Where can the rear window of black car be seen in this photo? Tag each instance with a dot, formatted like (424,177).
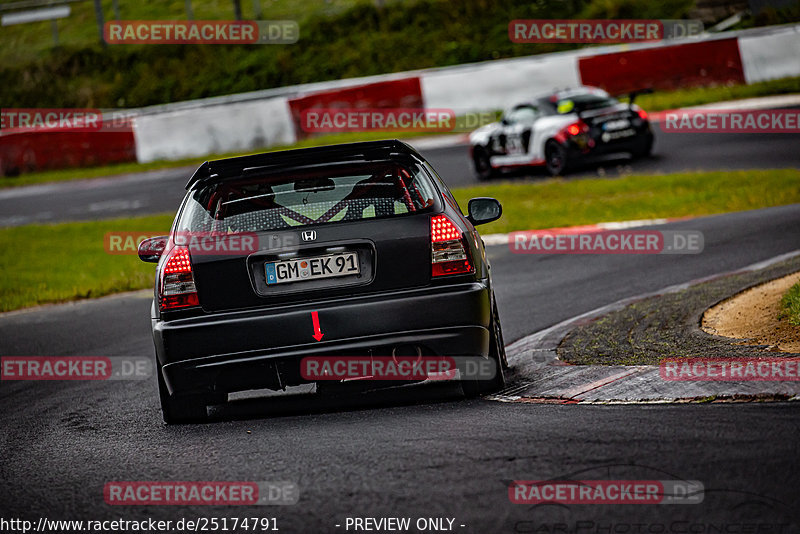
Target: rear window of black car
(308,196)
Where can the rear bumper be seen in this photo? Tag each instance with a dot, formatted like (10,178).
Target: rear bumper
(252,349)
(626,144)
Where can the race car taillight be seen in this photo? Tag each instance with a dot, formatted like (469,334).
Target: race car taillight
(176,287)
(577,127)
(642,114)
(449,251)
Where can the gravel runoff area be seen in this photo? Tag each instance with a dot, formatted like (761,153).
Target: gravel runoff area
(754,316)
(668,326)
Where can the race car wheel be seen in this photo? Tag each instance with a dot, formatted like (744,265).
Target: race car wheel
(555,157)
(185,408)
(644,148)
(483,167)
(473,387)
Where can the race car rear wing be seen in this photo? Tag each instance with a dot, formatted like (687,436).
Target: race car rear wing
(232,168)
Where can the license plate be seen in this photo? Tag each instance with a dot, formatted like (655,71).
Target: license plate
(619,124)
(302,269)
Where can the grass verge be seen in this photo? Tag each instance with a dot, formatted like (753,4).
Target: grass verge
(60,262)
(790,305)
(558,202)
(697,96)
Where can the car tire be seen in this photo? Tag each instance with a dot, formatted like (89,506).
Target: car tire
(555,158)
(472,387)
(177,409)
(482,164)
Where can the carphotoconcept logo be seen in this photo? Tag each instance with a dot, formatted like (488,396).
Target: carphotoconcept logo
(75,368)
(600,31)
(730,369)
(201,32)
(582,241)
(593,501)
(185,493)
(731,121)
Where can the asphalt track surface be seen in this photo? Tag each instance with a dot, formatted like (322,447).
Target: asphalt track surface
(424,451)
(161,191)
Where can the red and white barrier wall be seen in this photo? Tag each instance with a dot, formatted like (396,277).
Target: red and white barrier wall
(769,57)
(39,150)
(240,126)
(270,118)
(402,93)
(217,129)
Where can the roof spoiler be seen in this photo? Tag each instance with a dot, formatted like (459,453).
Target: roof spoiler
(230,168)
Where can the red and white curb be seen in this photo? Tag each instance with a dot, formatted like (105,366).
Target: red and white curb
(540,377)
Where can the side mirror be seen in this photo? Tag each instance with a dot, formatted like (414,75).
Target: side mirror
(504,121)
(150,249)
(483,210)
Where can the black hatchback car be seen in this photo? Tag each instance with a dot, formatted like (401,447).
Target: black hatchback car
(355,250)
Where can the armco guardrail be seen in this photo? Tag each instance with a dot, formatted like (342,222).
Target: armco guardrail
(749,56)
(261,119)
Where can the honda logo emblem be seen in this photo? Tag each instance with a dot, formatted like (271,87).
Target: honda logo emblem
(309,235)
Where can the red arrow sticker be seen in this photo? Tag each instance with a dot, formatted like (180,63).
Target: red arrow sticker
(317,331)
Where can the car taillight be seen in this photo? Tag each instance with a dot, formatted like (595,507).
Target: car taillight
(577,127)
(448,248)
(176,288)
(642,114)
